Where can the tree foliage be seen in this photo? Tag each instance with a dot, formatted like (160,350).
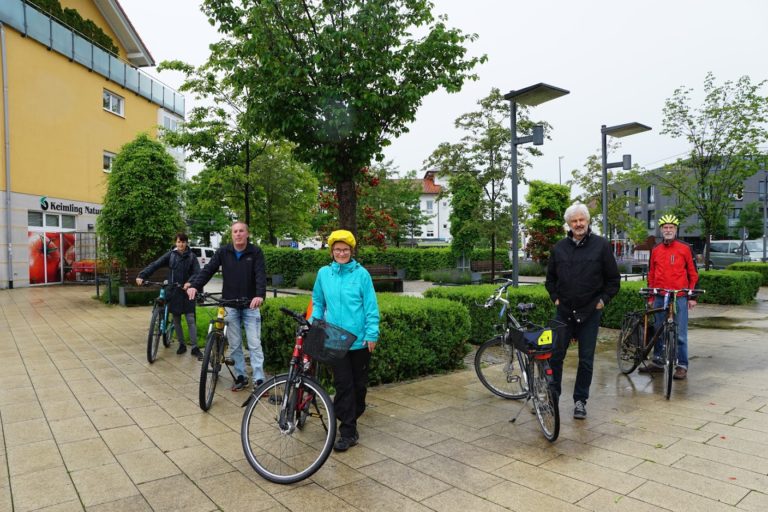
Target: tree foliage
(207,211)
(724,133)
(465,211)
(142,209)
(751,219)
(547,203)
(340,79)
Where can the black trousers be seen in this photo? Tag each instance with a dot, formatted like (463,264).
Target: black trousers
(350,378)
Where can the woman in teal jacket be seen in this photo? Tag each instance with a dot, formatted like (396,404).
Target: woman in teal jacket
(343,295)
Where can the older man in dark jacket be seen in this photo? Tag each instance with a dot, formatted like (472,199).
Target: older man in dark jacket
(582,277)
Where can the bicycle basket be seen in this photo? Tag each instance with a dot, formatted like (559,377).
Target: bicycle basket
(538,340)
(326,342)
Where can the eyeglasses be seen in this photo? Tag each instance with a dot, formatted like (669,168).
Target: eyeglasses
(342,251)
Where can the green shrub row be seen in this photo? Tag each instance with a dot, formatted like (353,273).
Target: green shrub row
(729,286)
(291,263)
(418,336)
(752,266)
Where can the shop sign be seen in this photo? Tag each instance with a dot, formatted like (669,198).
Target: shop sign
(58,206)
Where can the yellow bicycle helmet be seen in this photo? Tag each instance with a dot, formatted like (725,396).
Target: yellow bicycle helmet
(669,219)
(342,235)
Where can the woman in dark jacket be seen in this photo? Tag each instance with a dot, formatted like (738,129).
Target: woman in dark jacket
(183,265)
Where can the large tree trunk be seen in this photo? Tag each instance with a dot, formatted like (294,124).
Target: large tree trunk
(347,195)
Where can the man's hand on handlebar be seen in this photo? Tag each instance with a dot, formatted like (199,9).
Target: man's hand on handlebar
(139,281)
(191,293)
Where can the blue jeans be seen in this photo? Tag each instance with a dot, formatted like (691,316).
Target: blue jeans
(681,317)
(251,320)
(586,333)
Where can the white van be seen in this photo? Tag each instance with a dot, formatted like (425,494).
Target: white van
(203,254)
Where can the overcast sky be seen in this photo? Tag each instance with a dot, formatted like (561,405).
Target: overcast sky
(619,59)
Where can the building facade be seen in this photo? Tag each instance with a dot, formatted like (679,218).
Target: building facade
(437,230)
(67,108)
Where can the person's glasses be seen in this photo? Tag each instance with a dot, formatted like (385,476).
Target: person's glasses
(342,251)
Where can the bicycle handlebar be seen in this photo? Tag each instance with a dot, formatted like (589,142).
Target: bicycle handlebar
(296,316)
(522,307)
(158,283)
(201,298)
(661,292)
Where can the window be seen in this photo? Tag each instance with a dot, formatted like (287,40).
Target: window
(113,103)
(109,159)
(430,233)
(68,221)
(51,220)
(733,217)
(35,219)
(651,195)
(430,205)
(651,219)
(637,194)
(761,190)
(171,124)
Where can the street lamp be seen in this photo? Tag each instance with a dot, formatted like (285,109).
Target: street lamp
(560,170)
(618,131)
(529,96)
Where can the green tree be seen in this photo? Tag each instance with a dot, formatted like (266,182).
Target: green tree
(338,78)
(465,211)
(751,219)
(206,211)
(142,209)
(724,134)
(484,150)
(547,203)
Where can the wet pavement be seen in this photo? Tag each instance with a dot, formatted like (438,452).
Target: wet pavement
(87,424)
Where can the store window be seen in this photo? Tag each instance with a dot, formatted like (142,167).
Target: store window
(35,219)
(113,103)
(51,220)
(109,159)
(68,221)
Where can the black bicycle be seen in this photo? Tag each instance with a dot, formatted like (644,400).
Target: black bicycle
(214,354)
(160,323)
(289,424)
(638,337)
(515,364)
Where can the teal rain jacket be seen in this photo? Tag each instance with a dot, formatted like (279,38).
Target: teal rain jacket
(343,295)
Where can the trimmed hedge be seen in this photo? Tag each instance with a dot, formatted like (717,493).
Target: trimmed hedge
(729,286)
(418,336)
(291,263)
(752,266)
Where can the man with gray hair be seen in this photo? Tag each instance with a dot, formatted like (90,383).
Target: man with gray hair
(582,277)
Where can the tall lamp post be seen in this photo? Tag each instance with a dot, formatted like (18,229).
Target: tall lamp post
(618,131)
(529,96)
(560,170)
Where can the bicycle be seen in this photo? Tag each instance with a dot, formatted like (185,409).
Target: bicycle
(635,343)
(159,324)
(515,364)
(215,346)
(289,424)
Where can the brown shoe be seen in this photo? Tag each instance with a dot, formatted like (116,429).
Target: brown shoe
(650,367)
(680,373)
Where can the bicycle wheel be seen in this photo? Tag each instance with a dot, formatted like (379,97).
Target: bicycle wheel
(209,371)
(274,444)
(545,400)
(670,358)
(499,369)
(153,337)
(628,344)
(169,329)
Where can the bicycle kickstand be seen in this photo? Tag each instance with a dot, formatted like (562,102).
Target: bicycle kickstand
(514,419)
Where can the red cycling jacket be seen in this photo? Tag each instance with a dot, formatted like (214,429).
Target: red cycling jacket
(672,267)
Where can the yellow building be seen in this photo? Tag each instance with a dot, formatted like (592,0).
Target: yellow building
(67,108)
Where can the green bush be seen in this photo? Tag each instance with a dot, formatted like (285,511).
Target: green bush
(484,321)
(752,266)
(418,336)
(729,286)
(531,268)
(628,299)
(306,281)
(448,275)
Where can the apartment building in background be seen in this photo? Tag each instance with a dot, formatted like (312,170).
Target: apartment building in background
(67,107)
(437,230)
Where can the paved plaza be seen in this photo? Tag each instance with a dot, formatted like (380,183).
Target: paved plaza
(88,424)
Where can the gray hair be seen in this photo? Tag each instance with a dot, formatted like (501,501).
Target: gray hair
(574,209)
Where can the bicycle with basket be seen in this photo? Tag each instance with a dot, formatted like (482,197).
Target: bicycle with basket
(289,424)
(515,364)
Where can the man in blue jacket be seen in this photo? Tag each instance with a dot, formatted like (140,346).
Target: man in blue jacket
(245,276)
(343,295)
(582,277)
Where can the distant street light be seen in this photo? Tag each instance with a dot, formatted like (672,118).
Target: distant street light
(560,170)
(529,96)
(618,131)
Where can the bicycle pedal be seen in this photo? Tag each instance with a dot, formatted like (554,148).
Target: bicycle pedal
(229,361)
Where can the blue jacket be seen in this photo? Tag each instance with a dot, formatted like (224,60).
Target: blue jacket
(343,295)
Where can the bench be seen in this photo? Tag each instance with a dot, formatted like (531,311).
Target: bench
(386,274)
(127,281)
(484,266)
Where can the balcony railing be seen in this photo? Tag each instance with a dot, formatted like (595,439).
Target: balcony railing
(62,39)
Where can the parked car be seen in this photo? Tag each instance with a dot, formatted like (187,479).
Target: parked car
(203,254)
(724,252)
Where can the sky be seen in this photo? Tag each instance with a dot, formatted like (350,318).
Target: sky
(619,59)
